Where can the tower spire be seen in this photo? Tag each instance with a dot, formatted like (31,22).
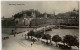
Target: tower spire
(54,13)
(33,14)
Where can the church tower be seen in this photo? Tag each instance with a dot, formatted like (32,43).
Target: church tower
(33,14)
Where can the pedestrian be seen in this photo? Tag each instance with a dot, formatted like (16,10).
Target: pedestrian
(51,44)
(31,44)
(33,40)
(14,34)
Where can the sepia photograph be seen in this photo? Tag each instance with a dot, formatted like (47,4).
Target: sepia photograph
(40,25)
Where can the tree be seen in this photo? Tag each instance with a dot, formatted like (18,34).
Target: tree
(77,44)
(56,39)
(28,34)
(31,33)
(18,15)
(47,37)
(38,35)
(70,40)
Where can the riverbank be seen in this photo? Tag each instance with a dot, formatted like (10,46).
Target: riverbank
(70,27)
(61,26)
(66,27)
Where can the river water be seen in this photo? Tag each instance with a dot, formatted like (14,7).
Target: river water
(63,32)
(60,32)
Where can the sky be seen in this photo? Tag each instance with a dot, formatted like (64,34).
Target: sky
(9,8)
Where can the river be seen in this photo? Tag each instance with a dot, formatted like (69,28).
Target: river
(63,32)
(60,32)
